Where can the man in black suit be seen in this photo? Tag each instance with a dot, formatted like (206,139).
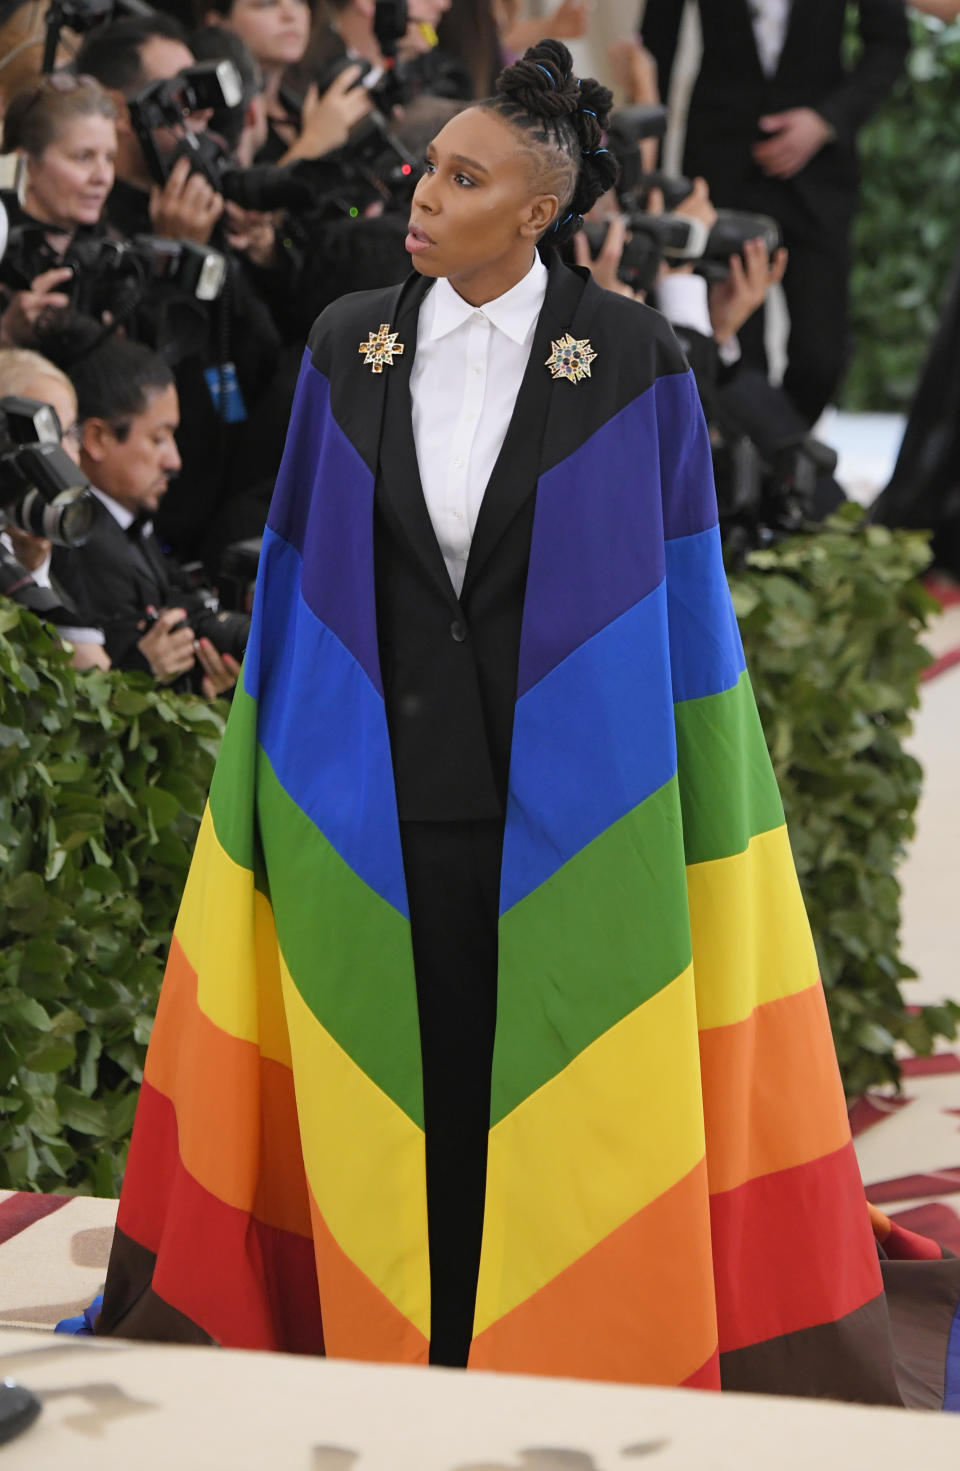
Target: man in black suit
(772,127)
(129,414)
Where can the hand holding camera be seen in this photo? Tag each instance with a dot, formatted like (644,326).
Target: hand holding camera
(168,644)
(220,671)
(745,290)
(186,207)
(26,307)
(327,120)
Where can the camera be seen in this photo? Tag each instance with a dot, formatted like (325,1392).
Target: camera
(211,85)
(169,102)
(670,236)
(629,127)
(105,271)
(157,288)
(238,574)
(81,16)
(764,495)
(373,165)
(41,490)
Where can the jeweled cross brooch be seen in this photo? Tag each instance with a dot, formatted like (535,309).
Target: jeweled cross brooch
(571,358)
(381,347)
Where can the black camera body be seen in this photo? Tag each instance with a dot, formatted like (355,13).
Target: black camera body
(157,288)
(169,103)
(41,490)
(81,16)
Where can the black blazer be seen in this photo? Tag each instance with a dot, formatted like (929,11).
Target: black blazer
(115,576)
(732,91)
(449,666)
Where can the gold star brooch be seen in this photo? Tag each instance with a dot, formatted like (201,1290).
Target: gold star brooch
(381,347)
(571,359)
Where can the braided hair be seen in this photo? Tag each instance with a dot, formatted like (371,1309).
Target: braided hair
(561,121)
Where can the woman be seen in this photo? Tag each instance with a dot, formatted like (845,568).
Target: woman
(513,1053)
(277,32)
(64,131)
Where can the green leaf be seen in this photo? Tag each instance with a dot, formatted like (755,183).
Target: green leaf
(51,1056)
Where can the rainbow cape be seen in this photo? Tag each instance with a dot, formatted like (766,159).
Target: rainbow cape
(672,1193)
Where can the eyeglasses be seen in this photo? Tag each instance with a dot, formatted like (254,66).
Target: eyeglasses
(62,81)
(74,433)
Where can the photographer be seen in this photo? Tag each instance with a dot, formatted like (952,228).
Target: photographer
(276,35)
(63,129)
(129,415)
(220,381)
(708,316)
(25,572)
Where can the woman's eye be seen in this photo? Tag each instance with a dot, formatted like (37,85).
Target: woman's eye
(429,167)
(464,179)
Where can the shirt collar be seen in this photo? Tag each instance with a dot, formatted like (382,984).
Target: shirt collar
(514,313)
(120,514)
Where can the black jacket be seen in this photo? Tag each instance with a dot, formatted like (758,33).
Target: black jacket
(732,91)
(116,576)
(450,664)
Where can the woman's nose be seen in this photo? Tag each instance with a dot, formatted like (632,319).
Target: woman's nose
(423,194)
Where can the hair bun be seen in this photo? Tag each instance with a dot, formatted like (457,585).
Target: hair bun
(542,82)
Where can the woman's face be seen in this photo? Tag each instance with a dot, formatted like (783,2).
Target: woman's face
(476,211)
(276,31)
(62,398)
(67,185)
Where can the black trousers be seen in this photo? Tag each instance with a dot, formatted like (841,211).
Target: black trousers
(453,884)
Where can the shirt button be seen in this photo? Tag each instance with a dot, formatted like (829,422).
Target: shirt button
(458,464)
(477,368)
(458,631)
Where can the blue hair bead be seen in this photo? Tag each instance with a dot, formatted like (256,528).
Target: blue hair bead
(547,74)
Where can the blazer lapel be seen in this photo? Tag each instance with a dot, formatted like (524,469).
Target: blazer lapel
(746,46)
(398,470)
(789,40)
(568,306)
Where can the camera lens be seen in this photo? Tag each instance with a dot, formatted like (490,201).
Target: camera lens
(66,520)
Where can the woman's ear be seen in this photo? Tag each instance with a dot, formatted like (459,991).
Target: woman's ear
(541,214)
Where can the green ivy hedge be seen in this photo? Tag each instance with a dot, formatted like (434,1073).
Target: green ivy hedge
(102,783)
(103,779)
(908,230)
(831,624)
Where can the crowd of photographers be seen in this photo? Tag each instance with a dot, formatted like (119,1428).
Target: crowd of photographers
(187,201)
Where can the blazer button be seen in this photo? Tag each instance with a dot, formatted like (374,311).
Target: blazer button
(458,631)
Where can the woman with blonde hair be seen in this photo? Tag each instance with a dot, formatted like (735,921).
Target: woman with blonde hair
(63,128)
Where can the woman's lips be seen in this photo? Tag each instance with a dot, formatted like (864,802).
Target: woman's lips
(417,240)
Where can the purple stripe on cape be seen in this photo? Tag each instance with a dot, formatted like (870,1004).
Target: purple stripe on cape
(323,506)
(686,460)
(601,517)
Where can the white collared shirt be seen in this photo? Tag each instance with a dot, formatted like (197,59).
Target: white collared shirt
(466,375)
(120,514)
(770,19)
